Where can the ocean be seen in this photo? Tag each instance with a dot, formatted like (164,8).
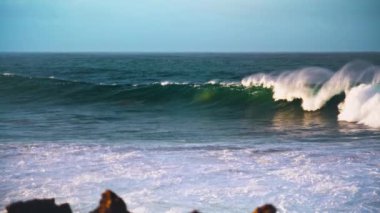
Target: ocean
(172,132)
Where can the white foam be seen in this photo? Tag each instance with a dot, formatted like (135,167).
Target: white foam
(179,180)
(8,74)
(164,83)
(213,82)
(362,105)
(223,83)
(315,86)
(176,210)
(140,210)
(230,83)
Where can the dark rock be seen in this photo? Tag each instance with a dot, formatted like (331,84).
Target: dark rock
(267,208)
(111,203)
(38,206)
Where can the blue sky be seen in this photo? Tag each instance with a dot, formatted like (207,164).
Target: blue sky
(190,25)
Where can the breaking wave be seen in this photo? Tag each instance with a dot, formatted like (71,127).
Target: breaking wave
(356,85)
(315,86)
(362,105)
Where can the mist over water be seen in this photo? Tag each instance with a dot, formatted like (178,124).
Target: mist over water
(316,86)
(173,132)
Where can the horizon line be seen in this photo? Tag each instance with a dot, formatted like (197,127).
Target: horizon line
(191,52)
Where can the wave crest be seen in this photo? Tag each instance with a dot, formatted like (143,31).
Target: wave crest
(362,105)
(316,86)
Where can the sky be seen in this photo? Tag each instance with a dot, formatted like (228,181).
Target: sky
(189,25)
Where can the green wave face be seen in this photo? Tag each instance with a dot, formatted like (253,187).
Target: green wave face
(37,91)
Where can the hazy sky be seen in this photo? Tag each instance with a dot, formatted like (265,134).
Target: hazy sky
(190,25)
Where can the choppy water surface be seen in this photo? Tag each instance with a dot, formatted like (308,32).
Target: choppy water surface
(173,132)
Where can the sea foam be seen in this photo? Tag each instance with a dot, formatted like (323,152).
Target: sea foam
(150,177)
(362,105)
(315,86)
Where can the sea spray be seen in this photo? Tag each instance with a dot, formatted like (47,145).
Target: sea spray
(290,85)
(316,86)
(105,121)
(362,105)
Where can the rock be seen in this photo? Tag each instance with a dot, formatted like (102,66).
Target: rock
(38,206)
(267,208)
(111,203)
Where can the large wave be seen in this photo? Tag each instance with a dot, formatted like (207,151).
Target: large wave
(315,86)
(362,105)
(312,88)
(28,90)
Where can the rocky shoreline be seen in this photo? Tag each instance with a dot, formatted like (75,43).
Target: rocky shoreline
(109,203)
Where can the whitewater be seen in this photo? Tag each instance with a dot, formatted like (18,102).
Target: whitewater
(359,81)
(176,132)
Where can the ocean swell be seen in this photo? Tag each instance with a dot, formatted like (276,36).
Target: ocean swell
(308,89)
(32,90)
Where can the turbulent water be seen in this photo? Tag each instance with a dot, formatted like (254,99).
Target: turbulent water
(173,132)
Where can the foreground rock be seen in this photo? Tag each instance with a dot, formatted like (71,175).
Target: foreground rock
(111,203)
(267,208)
(38,206)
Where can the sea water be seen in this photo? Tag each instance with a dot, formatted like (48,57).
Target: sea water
(176,132)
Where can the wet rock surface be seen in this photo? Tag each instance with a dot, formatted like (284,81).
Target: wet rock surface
(110,202)
(38,206)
